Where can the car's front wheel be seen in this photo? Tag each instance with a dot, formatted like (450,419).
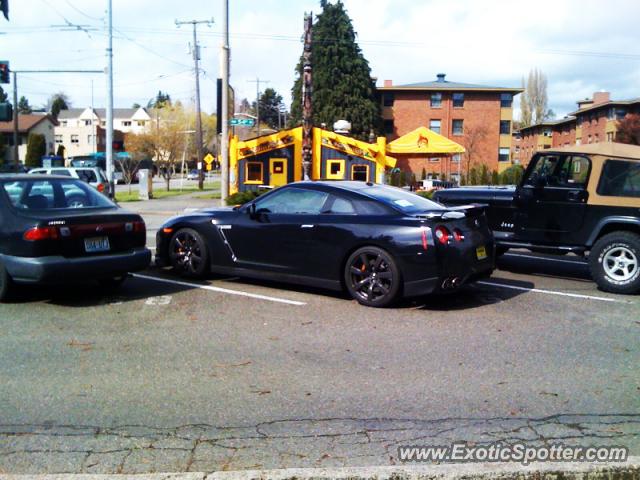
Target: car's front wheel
(372,277)
(188,254)
(615,262)
(5,283)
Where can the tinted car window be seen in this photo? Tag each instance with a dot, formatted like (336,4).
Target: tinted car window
(620,178)
(545,167)
(53,194)
(573,172)
(61,171)
(340,206)
(402,200)
(293,200)
(87,175)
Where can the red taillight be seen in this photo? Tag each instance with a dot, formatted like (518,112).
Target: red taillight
(41,233)
(101,187)
(425,245)
(458,235)
(139,227)
(442,234)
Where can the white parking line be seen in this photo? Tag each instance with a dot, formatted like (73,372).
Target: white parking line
(544,258)
(551,292)
(220,290)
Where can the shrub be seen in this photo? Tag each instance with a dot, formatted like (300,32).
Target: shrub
(512,175)
(240,198)
(36,149)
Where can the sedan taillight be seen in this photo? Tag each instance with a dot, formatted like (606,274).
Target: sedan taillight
(442,234)
(41,233)
(101,187)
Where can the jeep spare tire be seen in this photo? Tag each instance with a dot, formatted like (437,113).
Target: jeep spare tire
(615,262)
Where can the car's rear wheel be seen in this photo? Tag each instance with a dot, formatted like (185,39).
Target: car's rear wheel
(372,277)
(188,254)
(6,283)
(615,262)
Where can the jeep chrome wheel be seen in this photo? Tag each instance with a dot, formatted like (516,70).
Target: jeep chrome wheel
(614,262)
(620,263)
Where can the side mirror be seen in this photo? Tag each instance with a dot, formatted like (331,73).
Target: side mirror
(252,211)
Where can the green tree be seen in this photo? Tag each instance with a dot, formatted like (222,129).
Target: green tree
(484,175)
(270,101)
(58,101)
(342,85)
(423,175)
(161,100)
(36,148)
(23,106)
(512,175)
(3,95)
(135,105)
(495,178)
(60,151)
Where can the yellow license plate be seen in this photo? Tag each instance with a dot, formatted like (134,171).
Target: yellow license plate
(481,252)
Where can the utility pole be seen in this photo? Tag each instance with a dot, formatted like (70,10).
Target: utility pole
(16,157)
(257,81)
(109,72)
(307,107)
(224,72)
(196,59)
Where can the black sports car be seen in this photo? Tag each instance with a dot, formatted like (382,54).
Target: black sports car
(55,228)
(378,242)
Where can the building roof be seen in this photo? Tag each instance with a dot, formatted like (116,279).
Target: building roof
(440,84)
(100,112)
(609,149)
(25,123)
(549,123)
(612,103)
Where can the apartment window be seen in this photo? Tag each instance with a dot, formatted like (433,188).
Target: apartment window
(455,158)
(505,127)
(141,123)
(620,113)
(503,155)
(387,99)
(434,126)
(87,123)
(458,100)
(609,136)
(63,123)
(388,127)
(458,127)
(58,138)
(436,100)
(103,123)
(546,132)
(75,139)
(126,123)
(506,100)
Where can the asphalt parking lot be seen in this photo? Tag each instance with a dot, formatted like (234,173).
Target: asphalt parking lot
(172,375)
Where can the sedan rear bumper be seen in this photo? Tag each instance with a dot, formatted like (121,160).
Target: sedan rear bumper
(53,269)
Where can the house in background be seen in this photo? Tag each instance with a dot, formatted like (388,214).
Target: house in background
(595,121)
(82,130)
(477,117)
(31,123)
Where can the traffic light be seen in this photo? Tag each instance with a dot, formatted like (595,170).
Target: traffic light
(4,6)
(6,112)
(4,71)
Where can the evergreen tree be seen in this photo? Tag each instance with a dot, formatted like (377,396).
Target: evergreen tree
(162,100)
(423,176)
(3,95)
(270,101)
(60,151)
(342,85)
(57,102)
(36,148)
(23,106)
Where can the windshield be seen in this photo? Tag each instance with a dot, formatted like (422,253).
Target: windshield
(54,194)
(403,200)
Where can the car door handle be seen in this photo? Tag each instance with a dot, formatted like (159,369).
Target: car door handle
(307,226)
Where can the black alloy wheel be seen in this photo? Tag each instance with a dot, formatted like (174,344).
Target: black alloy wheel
(188,253)
(372,277)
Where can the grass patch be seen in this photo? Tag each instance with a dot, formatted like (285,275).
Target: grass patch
(212,187)
(209,196)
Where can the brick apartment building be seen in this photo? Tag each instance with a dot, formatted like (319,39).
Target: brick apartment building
(595,121)
(476,116)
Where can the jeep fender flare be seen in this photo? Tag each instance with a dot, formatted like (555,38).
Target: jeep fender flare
(625,220)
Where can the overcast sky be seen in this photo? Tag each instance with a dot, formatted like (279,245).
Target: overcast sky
(582,45)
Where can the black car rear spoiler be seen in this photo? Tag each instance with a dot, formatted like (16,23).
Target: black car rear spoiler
(454,213)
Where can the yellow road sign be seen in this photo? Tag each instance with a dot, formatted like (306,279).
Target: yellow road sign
(208,159)
(208,167)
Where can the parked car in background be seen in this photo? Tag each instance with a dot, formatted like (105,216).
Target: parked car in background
(56,229)
(378,242)
(94,176)
(193,175)
(583,199)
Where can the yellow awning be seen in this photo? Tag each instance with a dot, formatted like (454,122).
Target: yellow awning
(423,140)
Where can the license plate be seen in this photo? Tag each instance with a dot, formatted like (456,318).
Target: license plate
(481,252)
(96,244)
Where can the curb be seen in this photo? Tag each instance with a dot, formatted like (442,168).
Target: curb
(459,471)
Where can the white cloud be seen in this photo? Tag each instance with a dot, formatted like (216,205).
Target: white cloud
(494,42)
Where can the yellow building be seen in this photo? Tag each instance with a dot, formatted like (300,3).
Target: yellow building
(276,159)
